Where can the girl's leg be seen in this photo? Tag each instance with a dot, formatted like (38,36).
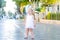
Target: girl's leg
(26,33)
(32,34)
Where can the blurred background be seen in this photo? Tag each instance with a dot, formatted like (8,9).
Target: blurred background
(44,9)
(47,14)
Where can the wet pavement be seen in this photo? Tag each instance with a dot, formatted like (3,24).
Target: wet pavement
(11,29)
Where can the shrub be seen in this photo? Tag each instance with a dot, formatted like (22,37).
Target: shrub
(53,16)
(48,16)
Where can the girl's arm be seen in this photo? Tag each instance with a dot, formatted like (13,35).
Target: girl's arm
(34,18)
(34,21)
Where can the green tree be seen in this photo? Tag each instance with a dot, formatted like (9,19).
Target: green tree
(48,2)
(18,2)
(2,3)
(21,3)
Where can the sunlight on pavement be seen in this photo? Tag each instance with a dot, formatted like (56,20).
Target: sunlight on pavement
(9,29)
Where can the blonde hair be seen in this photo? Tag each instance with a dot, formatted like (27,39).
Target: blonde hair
(32,12)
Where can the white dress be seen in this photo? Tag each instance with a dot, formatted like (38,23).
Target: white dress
(29,21)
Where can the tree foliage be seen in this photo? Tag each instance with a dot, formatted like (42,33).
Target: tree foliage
(2,3)
(25,2)
(19,2)
(48,2)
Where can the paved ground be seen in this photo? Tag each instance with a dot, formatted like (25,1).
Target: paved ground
(50,21)
(11,29)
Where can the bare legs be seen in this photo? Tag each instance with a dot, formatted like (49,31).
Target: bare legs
(27,30)
(32,34)
(26,33)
